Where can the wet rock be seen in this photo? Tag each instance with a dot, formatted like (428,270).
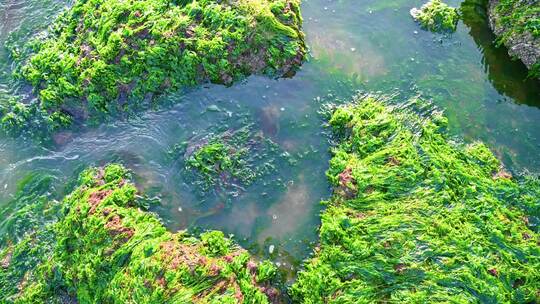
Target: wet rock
(436,16)
(79,73)
(229,161)
(62,138)
(407,232)
(509,23)
(111,243)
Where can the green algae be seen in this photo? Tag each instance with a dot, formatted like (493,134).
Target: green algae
(101,58)
(535,70)
(18,118)
(519,17)
(417,217)
(25,231)
(231,160)
(517,25)
(29,209)
(105,250)
(436,16)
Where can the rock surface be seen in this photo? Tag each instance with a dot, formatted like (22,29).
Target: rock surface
(507,19)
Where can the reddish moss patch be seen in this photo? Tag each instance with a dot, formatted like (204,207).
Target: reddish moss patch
(115,227)
(95,199)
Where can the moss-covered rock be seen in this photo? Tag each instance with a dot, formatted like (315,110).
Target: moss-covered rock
(436,16)
(103,57)
(419,218)
(229,161)
(517,24)
(104,249)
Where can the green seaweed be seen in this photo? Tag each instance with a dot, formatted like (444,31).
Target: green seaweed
(25,230)
(436,16)
(417,217)
(102,58)
(18,118)
(230,160)
(106,250)
(513,19)
(518,17)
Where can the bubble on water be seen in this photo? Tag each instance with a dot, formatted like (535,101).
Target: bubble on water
(353,49)
(274,217)
(180,209)
(271,249)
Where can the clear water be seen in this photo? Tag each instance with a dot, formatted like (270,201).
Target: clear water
(372,45)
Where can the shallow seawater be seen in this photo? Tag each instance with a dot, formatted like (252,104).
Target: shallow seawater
(368,45)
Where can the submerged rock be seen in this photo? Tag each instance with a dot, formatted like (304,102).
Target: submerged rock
(105,57)
(103,249)
(426,219)
(517,24)
(436,16)
(230,160)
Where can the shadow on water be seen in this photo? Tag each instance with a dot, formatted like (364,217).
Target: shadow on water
(509,77)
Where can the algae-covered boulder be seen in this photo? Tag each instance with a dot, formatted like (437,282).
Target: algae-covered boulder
(517,24)
(229,161)
(101,57)
(419,218)
(436,16)
(104,249)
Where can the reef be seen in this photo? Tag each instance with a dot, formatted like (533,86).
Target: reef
(418,217)
(103,248)
(436,16)
(517,25)
(101,58)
